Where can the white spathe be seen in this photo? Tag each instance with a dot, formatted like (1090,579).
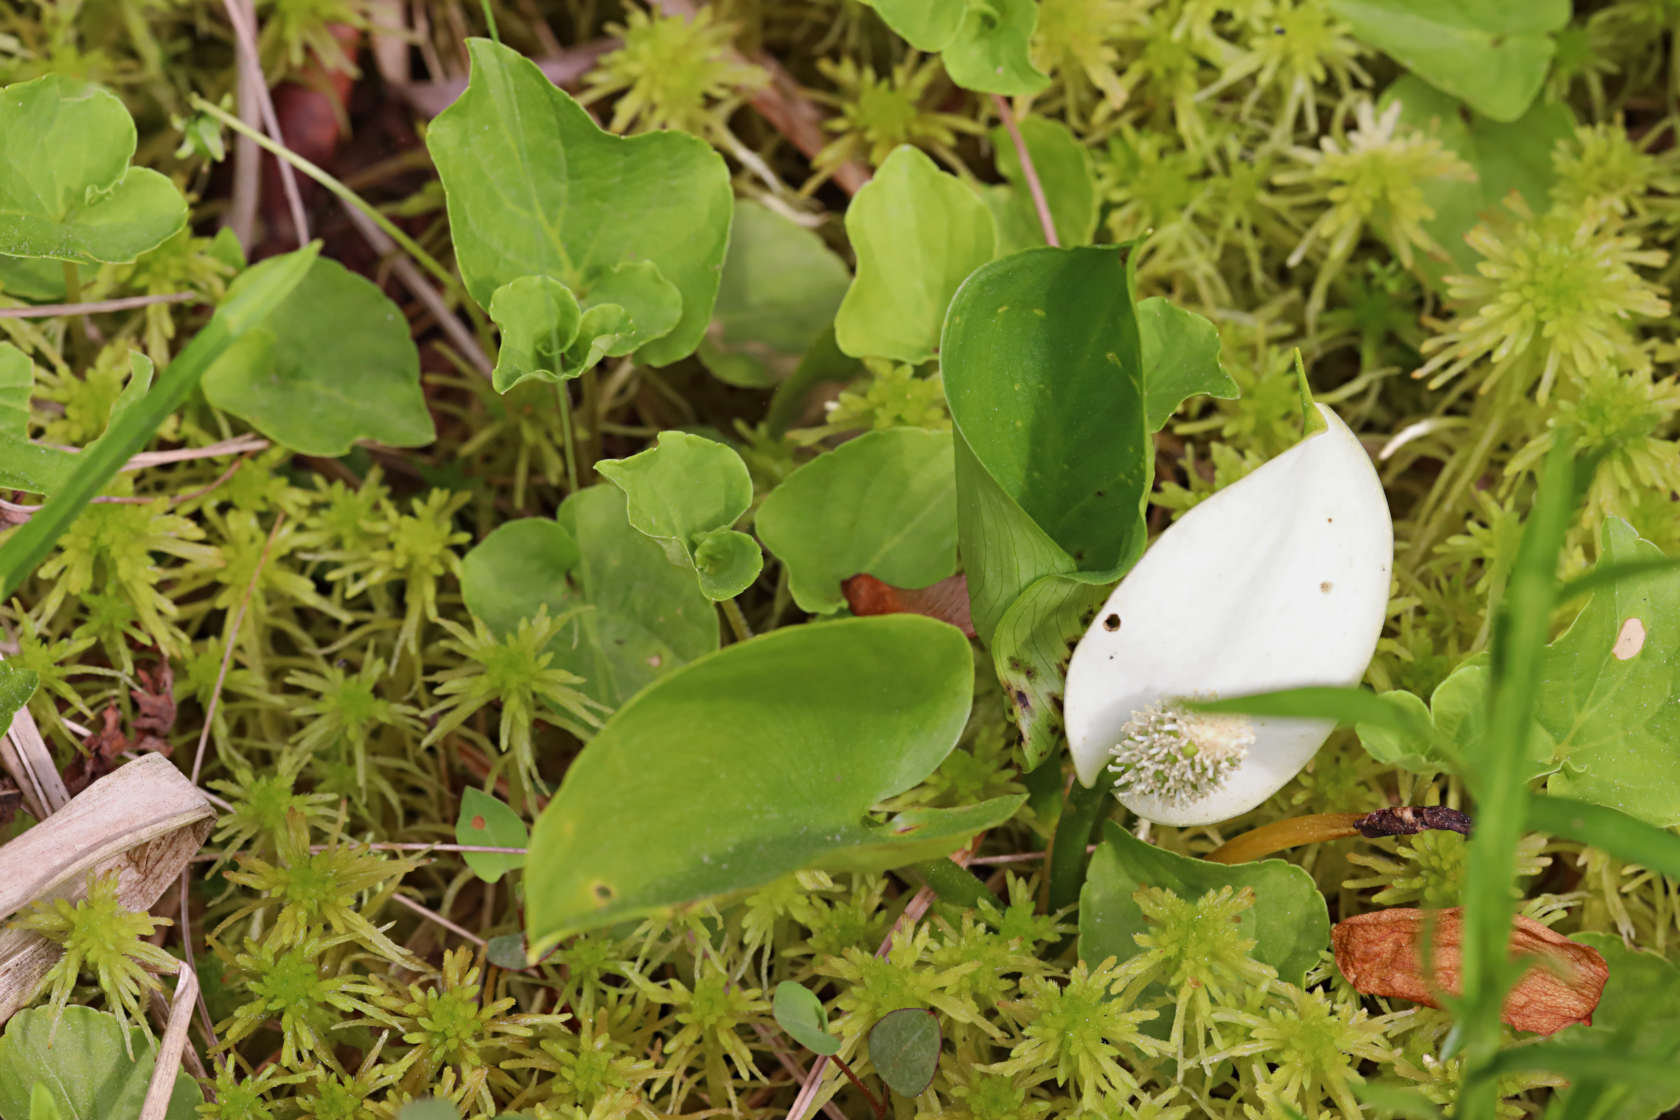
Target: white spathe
(1280,580)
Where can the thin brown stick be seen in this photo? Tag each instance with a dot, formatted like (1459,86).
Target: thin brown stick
(415,281)
(433,915)
(1028,171)
(239,445)
(791,1064)
(119,500)
(245,33)
(171,1047)
(95,307)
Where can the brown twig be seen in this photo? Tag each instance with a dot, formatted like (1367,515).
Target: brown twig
(94,307)
(434,916)
(245,34)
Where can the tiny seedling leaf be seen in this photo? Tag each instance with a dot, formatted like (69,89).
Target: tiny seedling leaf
(429,1109)
(800,1013)
(507,951)
(1065,175)
(781,287)
(904,1049)
(634,616)
(487,822)
(685,492)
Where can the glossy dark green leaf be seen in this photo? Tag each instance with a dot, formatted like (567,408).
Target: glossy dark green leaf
(1491,54)
(685,492)
(85,1065)
(1289,921)
(487,822)
(884,503)
(640,616)
(1043,371)
(535,188)
(904,1049)
(800,1013)
(66,189)
(333,363)
(917,232)
(761,759)
(781,287)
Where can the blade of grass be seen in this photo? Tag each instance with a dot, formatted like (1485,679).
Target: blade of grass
(266,285)
(1622,836)
(1495,775)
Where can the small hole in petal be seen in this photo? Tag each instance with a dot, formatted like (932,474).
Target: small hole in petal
(1111,623)
(1629,640)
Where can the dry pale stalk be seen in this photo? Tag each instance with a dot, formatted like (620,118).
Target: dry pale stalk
(144,821)
(1381,954)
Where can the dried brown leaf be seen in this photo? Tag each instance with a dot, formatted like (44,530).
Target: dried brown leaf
(946,600)
(1381,954)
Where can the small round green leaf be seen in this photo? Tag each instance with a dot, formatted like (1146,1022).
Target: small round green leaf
(507,951)
(904,1049)
(488,822)
(727,563)
(800,1013)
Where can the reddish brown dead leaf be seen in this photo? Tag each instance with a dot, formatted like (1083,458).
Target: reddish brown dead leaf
(154,700)
(946,600)
(1381,954)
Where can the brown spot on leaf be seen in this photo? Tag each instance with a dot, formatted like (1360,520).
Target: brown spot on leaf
(477,822)
(1381,954)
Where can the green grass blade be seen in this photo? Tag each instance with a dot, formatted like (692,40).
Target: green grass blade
(1622,836)
(1495,775)
(266,285)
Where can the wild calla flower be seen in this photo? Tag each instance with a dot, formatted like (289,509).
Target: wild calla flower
(1280,580)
